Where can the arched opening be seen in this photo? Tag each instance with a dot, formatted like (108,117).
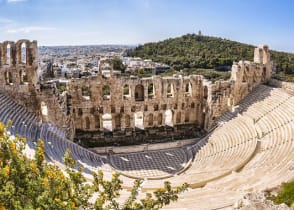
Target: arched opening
(139,93)
(106,92)
(97,122)
(178,118)
(244,79)
(23,55)
(8,55)
(205,93)
(169,118)
(151,91)
(170,91)
(80,111)
(263,76)
(23,76)
(159,119)
(87,123)
(187,117)
(107,122)
(6,77)
(10,78)
(139,120)
(44,111)
(117,122)
(192,105)
(188,89)
(126,91)
(85,91)
(127,121)
(150,119)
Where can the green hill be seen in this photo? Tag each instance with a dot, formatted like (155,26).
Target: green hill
(193,51)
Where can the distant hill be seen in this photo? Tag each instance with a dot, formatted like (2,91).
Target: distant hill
(193,51)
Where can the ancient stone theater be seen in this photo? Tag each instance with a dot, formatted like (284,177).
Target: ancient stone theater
(225,138)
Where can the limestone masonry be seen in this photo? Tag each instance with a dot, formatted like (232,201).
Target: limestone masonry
(99,110)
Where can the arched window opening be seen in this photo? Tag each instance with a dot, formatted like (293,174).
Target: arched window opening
(85,91)
(187,117)
(117,121)
(87,123)
(169,118)
(97,122)
(6,77)
(107,122)
(188,89)
(8,55)
(126,92)
(263,76)
(139,93)
(170,91)
(80,112)
(151,91)
(106,92)
(159,119)
(127,121)
(23,53)
(44,109)
(10,78)
(205,93)
(244,78)
(150,119)
(139,120)
(192,105)
(178,118)
(23,77)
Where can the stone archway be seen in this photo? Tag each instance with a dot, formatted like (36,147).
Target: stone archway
(169,118)
(139,93)
(107,122)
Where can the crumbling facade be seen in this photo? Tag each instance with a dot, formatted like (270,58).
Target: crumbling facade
(107,109)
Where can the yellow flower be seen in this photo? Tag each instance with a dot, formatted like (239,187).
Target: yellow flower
(38,208)
(46,182)
(6,171)
(33,166)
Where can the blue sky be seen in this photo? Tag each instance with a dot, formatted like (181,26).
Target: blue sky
(77,22)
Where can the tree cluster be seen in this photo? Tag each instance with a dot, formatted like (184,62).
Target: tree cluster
(205,52)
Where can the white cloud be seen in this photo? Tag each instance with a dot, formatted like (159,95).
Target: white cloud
(27,30)
(5,21)
(15,1)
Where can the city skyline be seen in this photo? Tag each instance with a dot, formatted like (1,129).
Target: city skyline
(132,22)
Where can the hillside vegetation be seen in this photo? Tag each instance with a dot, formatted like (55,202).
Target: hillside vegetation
(193,51)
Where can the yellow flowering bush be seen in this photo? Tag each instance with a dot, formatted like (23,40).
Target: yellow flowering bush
(33,184)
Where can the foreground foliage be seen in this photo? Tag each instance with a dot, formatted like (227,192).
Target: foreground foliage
(286,194)
(34,184)
(198,51)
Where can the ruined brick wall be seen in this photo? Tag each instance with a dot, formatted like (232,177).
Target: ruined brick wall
(112,108)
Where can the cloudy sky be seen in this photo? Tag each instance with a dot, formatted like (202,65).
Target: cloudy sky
(78,22)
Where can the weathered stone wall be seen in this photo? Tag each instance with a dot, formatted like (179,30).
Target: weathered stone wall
(106,109)
(18,70)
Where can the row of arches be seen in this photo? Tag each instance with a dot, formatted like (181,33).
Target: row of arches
(20,78)
(139,92)
(111,122)
(16,53)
